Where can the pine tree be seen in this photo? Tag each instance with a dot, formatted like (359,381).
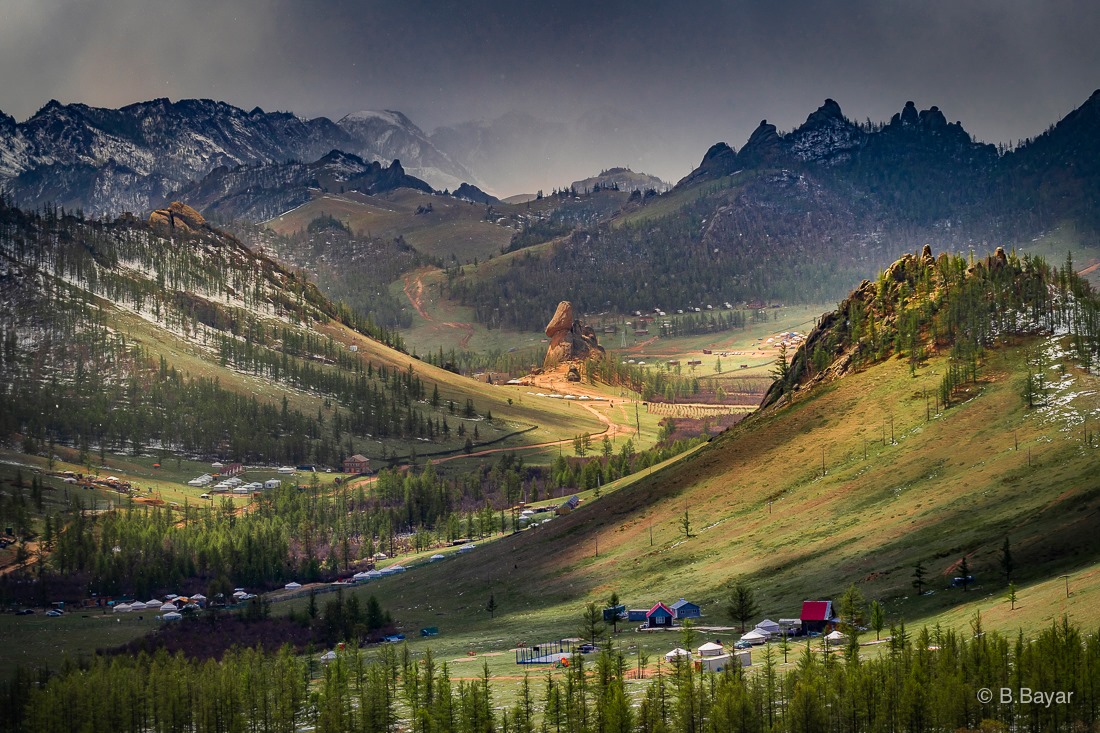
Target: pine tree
(742,604)
(918,577)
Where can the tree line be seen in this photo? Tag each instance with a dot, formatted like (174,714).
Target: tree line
(72,376)
(934,679)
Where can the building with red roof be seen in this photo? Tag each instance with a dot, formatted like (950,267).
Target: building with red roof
(817,616)
(660,616)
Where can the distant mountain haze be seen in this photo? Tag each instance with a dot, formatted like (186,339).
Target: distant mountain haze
(800,216)
(132,159)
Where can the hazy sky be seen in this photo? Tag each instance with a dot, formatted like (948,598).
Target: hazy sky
(677,75)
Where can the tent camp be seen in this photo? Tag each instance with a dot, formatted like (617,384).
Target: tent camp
(169,607)
(292,585)
(711,649)
(328,656)
(173,616)
(836,638)
(139,606)
(754,637)
(769,627)
(677,653)
(122,608)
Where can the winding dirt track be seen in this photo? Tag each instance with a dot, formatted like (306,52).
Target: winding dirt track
(414,291)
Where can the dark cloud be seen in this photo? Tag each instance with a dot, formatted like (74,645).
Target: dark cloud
(677,77)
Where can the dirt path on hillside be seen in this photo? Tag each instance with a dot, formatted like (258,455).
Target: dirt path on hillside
(32,554)
(414,291)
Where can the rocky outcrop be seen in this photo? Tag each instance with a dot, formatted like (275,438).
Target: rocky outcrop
(470,192)
(570,340)
(764,147)
(720,160)
(177,218)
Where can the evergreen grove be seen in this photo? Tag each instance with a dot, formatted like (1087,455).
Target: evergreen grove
(930,680)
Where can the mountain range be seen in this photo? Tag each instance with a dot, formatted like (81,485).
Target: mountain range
(106,161)
(799,216)
(262,191)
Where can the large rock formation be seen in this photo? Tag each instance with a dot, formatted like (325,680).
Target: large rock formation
(570,340)
(177,218)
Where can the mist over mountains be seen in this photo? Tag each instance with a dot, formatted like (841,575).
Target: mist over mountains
(520,153)
(106,161)
(801,216)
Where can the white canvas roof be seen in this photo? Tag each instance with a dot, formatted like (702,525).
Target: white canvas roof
(710,646)
(754,637)
(292,585)
(678,652)
(836,636)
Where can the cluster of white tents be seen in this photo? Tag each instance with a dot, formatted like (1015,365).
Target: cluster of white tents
(766,629)
(170,607)
(713,657)
(365,576)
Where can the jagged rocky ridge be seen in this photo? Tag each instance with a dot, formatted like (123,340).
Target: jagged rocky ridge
(259,192)
(106,161)
(921,169)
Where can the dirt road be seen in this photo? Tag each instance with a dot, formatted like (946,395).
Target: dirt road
(414,291)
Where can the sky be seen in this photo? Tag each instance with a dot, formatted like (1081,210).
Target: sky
(646,84)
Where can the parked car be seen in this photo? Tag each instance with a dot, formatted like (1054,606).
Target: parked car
(742,645)
(587,648)
(24,612)
(54,613)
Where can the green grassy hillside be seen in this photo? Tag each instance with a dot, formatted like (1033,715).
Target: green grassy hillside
(926,439)
(952,484)
(129,337)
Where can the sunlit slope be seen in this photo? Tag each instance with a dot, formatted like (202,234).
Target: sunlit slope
(450,227)
(137,337)
(951,484)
